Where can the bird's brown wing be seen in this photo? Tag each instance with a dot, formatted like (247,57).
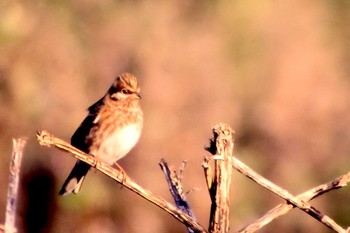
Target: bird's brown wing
(83,136)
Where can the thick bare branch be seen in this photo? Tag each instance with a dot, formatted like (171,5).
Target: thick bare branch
(221,146)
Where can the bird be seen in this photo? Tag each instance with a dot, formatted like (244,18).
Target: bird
(110,130)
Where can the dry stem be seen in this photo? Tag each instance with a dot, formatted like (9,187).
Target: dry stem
(296,201)
(15,167)
(176,190)
(219,182)
(306,196)
(47,139)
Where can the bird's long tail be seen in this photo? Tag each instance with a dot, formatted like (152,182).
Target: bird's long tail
(75,179)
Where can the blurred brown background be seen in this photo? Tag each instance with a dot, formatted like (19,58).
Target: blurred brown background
(276,71)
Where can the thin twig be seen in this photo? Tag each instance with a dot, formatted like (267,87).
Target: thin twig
(282,209)
(301,204)
(12,193)
(47,139)
(175,187)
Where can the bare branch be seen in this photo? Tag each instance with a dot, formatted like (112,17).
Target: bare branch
(175,187)
(12,193)
(301,204)
(282,209)
(47,139)
(221,146)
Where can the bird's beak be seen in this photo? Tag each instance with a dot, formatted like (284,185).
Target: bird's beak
(138,95)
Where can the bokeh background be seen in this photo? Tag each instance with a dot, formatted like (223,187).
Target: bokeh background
(276,71)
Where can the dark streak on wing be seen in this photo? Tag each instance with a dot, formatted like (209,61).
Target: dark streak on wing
(80,138)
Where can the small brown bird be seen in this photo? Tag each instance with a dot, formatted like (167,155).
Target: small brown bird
(110,130)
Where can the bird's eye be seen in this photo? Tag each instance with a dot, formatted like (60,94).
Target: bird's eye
(125,91)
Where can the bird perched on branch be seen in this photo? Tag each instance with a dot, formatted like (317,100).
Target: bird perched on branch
(110,130)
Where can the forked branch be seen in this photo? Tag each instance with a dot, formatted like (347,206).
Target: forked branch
(176,190)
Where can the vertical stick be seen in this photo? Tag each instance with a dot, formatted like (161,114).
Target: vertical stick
(221,146)
(15,165)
